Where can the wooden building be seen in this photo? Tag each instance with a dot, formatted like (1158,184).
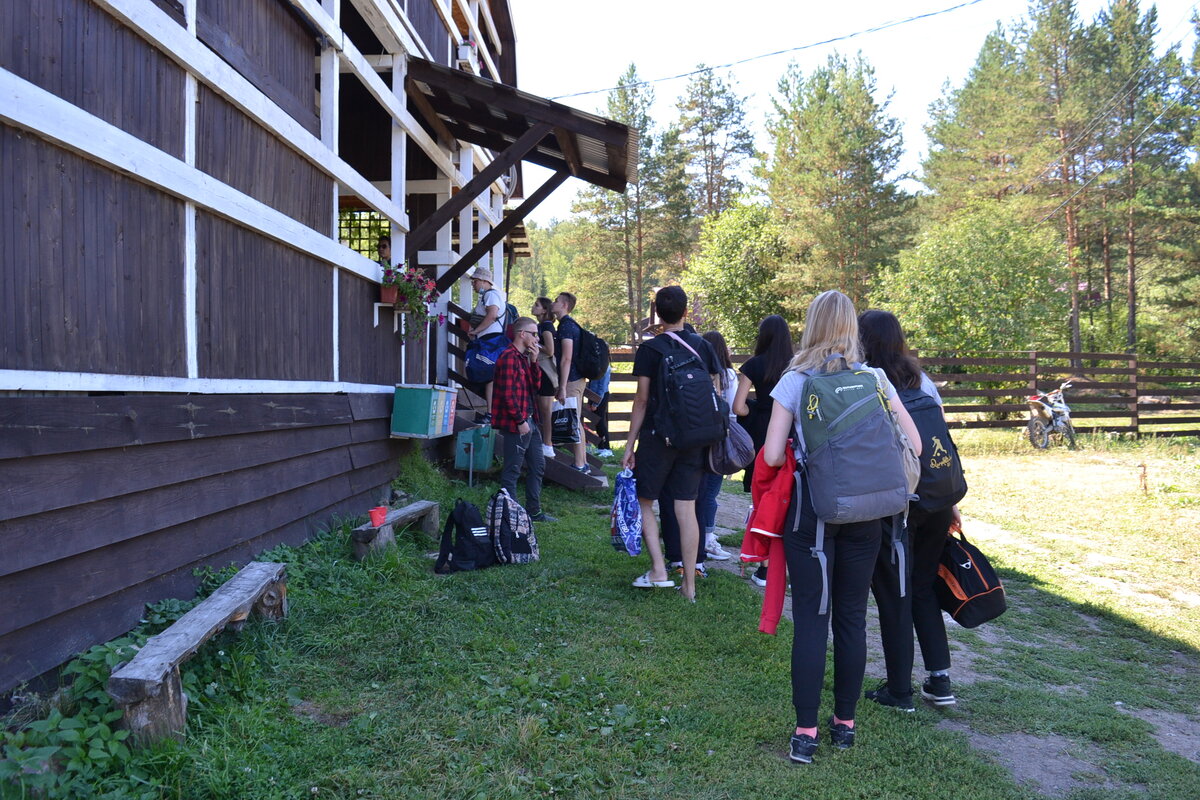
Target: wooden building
(193,366)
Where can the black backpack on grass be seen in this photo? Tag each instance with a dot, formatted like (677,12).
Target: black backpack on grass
(466,542)
(942,483)
(592,360)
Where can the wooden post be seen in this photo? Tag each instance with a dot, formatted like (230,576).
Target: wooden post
(160,715)
(1133,382)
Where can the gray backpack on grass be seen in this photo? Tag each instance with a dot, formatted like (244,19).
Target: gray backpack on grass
(850,453)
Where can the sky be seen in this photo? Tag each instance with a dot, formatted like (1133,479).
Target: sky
(567,46)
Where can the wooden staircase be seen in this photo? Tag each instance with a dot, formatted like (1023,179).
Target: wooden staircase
(558,469)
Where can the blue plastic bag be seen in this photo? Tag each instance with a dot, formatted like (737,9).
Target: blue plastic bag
(626,515)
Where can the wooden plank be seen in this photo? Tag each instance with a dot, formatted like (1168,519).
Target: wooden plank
(977,362)
(49,483)
(967,377)
(1191,365)
(34,649)
(56,587)
(1146,407)
(1171,421)
(140,677)
(1168,379)
(45,425)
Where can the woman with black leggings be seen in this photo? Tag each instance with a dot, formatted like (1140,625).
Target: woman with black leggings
(830,344)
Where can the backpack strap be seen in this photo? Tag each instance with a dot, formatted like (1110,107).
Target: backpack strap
(900,548)
(680,339)
(818,552)
(447,540)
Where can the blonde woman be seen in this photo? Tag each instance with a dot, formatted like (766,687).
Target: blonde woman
(829,344)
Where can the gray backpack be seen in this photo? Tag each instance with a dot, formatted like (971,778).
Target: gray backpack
(851,454)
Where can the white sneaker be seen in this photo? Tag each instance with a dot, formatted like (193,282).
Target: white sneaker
(604,453)
(547,451)
(713,550)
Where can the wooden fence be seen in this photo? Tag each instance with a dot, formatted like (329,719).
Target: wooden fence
(1110,392)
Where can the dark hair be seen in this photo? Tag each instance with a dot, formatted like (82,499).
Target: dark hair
(774,343)
(722,350)
(570,298)
(545,303)
(671,303)
(884,346)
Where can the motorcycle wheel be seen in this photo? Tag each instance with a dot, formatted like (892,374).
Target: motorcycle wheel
(1069,435)
(1039,433)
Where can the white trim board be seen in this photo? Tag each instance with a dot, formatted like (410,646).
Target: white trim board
(37,381)
(153,25)
(28,106)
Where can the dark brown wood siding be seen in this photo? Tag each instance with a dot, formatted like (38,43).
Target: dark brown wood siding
(269,43)
(238,151)
(369,354)
(432,30)
(73,49)
(91,266)
(124,497)
(263,310)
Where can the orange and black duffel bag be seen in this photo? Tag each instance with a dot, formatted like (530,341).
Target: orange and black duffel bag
(967,587)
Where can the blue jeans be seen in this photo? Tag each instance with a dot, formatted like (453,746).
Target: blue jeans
(706,504)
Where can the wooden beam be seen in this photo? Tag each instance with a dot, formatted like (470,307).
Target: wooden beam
(447,211)
(566,143)
(498,233)
(429,115)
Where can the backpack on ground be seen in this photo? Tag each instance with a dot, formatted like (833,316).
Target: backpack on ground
(942,483)
(593,357)
(511,530)
(466,542)
(851,454)
(967,586)
(690,411)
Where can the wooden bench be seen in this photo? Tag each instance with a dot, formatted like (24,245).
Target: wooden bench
(368,538)
(148,688)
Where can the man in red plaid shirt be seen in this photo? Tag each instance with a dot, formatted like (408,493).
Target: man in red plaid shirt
(514,414)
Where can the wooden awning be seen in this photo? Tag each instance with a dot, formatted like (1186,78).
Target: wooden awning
(515,126)
(492,115)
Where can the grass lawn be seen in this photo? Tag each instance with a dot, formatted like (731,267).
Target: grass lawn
(559,679)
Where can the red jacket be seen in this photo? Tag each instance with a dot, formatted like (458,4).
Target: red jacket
(771,494)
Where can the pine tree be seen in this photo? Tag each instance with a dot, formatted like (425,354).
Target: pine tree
(830,180)
(713,129)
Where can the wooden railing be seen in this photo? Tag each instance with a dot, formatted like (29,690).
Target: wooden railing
(1111,392)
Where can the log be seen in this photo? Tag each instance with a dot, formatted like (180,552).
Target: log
(368,539)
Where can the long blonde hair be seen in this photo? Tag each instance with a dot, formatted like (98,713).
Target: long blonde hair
(830,326)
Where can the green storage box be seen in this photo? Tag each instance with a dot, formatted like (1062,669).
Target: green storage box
(475,448)
(423,411)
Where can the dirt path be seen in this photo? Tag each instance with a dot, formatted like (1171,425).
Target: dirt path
(1048,764)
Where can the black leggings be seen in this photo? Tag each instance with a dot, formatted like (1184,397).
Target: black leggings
(919,607)
(850,550)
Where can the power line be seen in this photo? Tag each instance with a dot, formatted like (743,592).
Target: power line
(881,27)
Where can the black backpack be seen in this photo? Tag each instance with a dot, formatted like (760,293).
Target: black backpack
(690,412)
(593,357)
(466,542)
(942,483)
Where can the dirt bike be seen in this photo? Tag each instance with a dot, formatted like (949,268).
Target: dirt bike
(1050,415)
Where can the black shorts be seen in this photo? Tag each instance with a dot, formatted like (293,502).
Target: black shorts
(546,387)
(657,466)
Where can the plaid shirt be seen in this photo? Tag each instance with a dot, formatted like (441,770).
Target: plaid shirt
(516,384)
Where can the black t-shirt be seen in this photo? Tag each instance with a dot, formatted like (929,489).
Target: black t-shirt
(567,329)
(650,354)
(755,368)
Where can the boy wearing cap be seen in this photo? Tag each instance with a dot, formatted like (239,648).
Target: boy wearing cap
(487,319)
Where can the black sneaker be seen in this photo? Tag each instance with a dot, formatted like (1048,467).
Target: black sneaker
(542,516)
(803,747)
(760,576)
(841,735)
(883,695)
(937,690)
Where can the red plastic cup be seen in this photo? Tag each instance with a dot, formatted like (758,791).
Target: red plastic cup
(378,515)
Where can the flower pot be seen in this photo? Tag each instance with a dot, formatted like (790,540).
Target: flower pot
(388,294)
(378,515)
